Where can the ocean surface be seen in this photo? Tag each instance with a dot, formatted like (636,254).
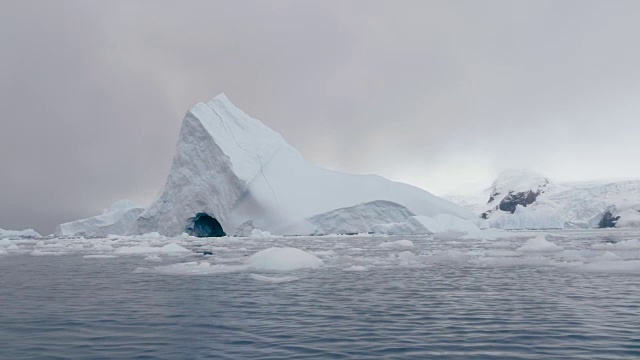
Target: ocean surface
(552,295)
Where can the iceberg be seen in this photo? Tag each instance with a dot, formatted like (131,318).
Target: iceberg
(361,218)
(19,234)
(231,171)
(117,220)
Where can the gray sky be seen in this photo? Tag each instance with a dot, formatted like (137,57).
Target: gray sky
(440,94)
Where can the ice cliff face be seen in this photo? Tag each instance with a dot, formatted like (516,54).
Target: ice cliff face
(116,220)
(361,218)
(235,169)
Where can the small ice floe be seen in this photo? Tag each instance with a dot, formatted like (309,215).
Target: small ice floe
(356,268)
(153,258)
(282,259)
(47,253)
(273,279)
(396,244)
(539,244)
(98,256)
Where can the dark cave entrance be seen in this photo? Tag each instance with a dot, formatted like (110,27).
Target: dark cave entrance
(204,225)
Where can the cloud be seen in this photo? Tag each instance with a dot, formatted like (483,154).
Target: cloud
(440,94)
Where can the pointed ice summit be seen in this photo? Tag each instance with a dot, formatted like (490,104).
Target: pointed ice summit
(231,170)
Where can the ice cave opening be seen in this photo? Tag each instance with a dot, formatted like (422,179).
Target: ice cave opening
(204,225)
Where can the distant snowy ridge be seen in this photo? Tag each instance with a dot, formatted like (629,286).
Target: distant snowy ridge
(523,199)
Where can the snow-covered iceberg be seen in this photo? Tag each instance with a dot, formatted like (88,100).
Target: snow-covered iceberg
(230,168)
(18,234)
(116,220)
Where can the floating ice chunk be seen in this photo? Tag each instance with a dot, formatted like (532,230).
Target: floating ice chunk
(153,258)
(46,253)
(539,244)
(282,259)
(356,268)
(622,245)
(396,244)
(607,256)
(259,234)
(102,247)
(272,279)
(100,256)
(173,249)
(324,253)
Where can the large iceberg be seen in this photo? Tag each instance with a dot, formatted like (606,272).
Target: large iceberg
(230,169)
(117,220)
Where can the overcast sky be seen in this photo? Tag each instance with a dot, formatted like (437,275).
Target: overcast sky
(441,94)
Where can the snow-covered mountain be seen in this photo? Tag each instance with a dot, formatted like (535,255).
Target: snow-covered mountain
(524,199)
(232,170)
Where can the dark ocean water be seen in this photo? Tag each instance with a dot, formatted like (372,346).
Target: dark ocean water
(70,307)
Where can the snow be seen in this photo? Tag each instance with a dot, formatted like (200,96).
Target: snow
(282,259)
(117,220)
(529,217)
(539,244)
(518,180)
(18,234)
(236,169)
(571,205)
